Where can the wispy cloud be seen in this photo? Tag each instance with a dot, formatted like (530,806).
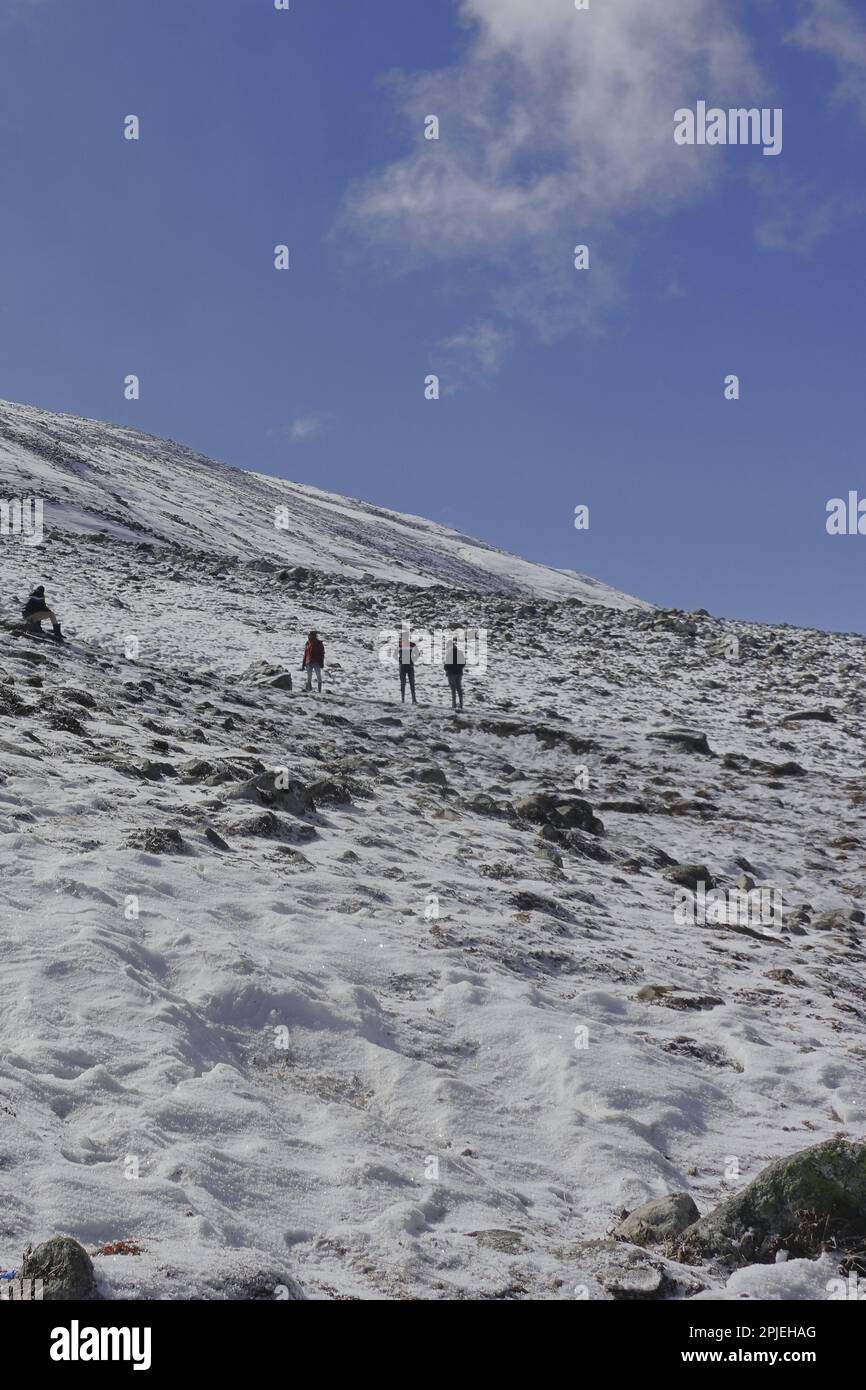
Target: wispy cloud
(476,354)
(302,429)
(795,215)
(556,128)
(837,30)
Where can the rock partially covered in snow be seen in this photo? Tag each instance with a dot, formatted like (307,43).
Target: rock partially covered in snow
(800,1204)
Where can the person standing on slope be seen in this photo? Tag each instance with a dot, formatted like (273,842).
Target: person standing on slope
(36,612)
(455,660)
(314,660)
(408,657)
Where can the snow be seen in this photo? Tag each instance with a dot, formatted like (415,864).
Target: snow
(312,1080)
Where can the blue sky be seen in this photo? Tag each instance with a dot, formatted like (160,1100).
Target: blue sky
(603,387)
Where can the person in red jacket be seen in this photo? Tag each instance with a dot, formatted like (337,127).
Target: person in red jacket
(314,660)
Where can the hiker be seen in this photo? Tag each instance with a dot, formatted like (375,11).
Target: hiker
(408,657)
(455,660)
(314,660)
(36,612)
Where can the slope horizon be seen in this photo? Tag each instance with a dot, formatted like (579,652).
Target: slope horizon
(593,592)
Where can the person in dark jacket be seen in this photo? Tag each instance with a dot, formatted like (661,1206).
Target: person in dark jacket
(314,660)
(36,612)
(455,660)
(408,657)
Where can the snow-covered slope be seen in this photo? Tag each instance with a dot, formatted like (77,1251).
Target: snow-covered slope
(301,988)
(97,478)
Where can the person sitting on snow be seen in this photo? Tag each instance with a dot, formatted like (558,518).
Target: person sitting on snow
(36,612)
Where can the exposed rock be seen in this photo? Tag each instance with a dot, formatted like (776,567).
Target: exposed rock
(563,813)
(270,827)
(65,1268)
(11,703)
(165,841)
(825,716)
(672,997)
(611,1269)
(274,790)
(692,743)
(812,1201)
(327,792)
(534,902)
(838,919)
(484,805)
(658,1221)
(690,876)
(433,776)
(216,840)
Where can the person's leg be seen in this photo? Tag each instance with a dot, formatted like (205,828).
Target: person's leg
(452,684)
(412,683)
(44,615)
(309,684)
(318,671)
(403,674)
(459,685)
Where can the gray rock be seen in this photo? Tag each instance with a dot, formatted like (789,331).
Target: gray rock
(673,998)
(612,1270)
(327,792)
(163,841)
(658,1221)
(690,875)
(484,805)
(811,1201)
(65,1268)
(692,743)
(560,812)
(433,776)
(825,716)
(838,919)
(268,826)
(267,789)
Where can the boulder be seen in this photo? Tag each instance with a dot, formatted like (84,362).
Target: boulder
(560,812)
(811,1201)
(690,875)
(65,1268)
(158,841)
(327,792)
(270,827)
(433,776)
(274,791)
(658,1221)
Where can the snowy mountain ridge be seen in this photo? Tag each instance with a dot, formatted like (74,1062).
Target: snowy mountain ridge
(114,480)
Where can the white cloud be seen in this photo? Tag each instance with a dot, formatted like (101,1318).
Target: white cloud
(835,29)
(302,429)
(556,129)
(476,352)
